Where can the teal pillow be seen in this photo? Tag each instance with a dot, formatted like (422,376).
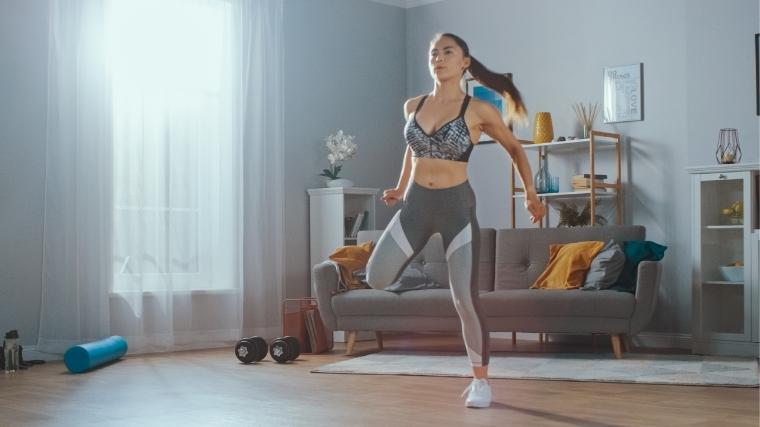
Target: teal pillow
(636,251)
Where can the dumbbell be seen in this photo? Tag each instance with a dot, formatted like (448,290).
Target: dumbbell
(251,349)
(285,349)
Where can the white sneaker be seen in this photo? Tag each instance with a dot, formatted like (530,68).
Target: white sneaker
(480,394)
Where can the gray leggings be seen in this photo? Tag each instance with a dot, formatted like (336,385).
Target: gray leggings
(451,212)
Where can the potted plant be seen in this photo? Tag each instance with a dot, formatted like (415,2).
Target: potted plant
(570,217)
(341,147)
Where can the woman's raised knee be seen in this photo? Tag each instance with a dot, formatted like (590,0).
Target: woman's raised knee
(377,278)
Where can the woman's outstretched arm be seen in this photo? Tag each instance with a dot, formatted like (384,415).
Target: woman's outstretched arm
(493,125)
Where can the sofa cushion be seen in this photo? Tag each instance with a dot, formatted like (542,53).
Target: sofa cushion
(374,302)
(568,264)
(516,302)
(522,253)
(635,252)
(553,302)
(605,268)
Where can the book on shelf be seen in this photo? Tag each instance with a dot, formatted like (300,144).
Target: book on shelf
(583,182)
(358,222)
(348,225)
(364,221)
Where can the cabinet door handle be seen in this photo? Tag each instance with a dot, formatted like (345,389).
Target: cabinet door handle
(722,176)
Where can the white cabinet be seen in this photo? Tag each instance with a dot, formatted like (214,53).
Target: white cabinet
(724,308)
(328,210)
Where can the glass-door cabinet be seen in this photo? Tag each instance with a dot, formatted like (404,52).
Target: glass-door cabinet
(724,297)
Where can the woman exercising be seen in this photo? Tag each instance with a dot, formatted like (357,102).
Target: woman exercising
(440,129)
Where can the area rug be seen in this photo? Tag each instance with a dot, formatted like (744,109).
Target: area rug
(632,368)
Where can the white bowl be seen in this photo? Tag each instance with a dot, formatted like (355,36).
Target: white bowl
(732,273)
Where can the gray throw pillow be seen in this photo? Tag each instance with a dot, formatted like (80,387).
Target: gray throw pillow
(605,268)
(412,278)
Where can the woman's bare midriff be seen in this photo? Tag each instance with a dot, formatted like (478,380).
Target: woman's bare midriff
(438,173)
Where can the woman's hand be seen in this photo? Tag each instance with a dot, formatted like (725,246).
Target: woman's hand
(391,196)
(534,206)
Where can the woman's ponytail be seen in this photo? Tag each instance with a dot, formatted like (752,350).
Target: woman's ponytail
(502,85)
(498,82)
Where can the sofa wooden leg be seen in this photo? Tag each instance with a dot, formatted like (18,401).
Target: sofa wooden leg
(624,341)
(350,343)
(514,338)
(616,345)
(379,339)
(541,338)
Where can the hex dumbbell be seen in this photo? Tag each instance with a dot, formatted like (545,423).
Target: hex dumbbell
(251,349)
(285,349)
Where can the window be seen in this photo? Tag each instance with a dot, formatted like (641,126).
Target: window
(176,153)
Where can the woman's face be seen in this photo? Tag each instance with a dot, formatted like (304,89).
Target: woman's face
(446,59)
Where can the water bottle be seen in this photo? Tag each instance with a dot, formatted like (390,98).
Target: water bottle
(10,350)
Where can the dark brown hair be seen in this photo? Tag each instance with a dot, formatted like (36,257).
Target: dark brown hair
(495,81)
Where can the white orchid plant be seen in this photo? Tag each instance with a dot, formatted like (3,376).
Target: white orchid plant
(341,147)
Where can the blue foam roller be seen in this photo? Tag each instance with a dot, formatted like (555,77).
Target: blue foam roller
(80,358)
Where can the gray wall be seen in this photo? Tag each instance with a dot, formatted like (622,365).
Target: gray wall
(698,78)
(344,69)
(23,105)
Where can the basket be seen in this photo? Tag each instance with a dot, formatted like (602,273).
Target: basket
(301,319)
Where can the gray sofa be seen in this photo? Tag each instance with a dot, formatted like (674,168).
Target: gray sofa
(510,261)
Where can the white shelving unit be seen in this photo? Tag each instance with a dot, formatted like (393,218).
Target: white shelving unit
(724,313)
(327,209)
(598,140)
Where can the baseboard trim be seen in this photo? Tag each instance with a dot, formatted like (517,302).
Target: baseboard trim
(31,352)
(663,340)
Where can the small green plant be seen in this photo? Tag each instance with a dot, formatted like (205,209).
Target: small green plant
(570,217)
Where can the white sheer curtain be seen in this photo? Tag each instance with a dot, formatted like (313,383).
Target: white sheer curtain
(160,116)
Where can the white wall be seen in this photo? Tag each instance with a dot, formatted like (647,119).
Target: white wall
(698,78)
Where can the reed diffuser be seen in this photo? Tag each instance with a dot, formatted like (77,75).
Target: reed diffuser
(586,115)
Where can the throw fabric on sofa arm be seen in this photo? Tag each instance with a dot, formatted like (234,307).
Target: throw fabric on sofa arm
(348,260)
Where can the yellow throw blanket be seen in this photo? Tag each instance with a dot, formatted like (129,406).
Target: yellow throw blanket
(352,258)
(568,265)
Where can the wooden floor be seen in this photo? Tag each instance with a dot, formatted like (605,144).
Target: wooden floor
(210,387)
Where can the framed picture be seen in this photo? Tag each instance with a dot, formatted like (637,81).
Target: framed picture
(757,73)
(623,96)
(477,90)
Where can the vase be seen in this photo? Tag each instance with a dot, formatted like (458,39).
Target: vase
(543,180)
(340,182)
(728,150)
(543,131)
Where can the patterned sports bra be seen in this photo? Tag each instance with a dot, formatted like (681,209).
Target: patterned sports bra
(450,142)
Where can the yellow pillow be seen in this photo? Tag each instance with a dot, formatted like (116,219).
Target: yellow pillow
(568,265)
